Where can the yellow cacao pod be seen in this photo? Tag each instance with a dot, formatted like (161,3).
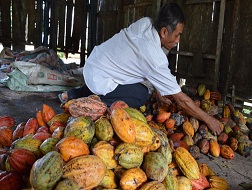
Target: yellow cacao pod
(186,163)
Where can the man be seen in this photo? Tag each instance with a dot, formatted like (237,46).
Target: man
(116,69)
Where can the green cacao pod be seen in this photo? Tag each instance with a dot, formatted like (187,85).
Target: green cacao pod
(144,134)
(165,147)
(48,145)
(106,152)
(47,171)
(134,113)
(129,155)
(155,166)
(170,182)
(81,127)
(28,143)
(103,129)
(201,89)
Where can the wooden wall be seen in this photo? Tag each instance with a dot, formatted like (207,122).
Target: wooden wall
(95,22)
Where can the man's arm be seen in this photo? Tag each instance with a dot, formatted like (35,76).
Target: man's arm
(192,109)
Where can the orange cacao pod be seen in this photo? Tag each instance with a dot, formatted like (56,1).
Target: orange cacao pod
(226,152)
(218,183)
(71,147)
(214,148)
(47,113)
(123,125)
(132,178)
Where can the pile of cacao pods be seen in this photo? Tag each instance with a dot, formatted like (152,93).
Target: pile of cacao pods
(91,146)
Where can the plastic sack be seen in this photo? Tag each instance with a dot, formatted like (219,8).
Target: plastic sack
(36,78)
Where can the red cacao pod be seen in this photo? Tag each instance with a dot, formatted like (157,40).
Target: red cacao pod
(6,136)
(10,180)
(21,160)
(7,121)
(19,131)
(42,136)
(30,127)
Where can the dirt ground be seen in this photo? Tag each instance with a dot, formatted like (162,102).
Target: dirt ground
(24,105)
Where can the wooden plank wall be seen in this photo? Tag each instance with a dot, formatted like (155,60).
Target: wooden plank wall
(199,38)
(236,59)
(24,21)
(67,33)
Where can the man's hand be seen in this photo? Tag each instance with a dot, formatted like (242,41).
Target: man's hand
(215,126)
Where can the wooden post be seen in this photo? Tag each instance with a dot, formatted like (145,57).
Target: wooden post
(219,43)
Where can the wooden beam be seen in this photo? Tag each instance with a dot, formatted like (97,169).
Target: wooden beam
(219,43)
(190,54)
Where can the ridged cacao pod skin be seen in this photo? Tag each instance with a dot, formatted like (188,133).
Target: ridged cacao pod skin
(188,128)
(7,121)
(184,183)
(6,136)
(201,183)
(226,152)
(132,178)
(123,125)
(204,169)
(47,171)
(10,180)
(206,94)
(117,104)
(88,107)
(133,113)
(31,126)
(103,129)
(170,181)
(81,127)
(106,153)
(186,163)
(109,181)
(88,171)
(156,143)
(71,147)
(155,166)
(48,145)
(144,134)
(18,132)
(201,89)
(61,117)
(165,147)
(47,113)
(214,148)
(67,184)
(28,143)
(153,185)
(218,183)
(129,155)
(21,160)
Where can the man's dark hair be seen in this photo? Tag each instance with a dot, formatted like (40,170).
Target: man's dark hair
(169,16)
